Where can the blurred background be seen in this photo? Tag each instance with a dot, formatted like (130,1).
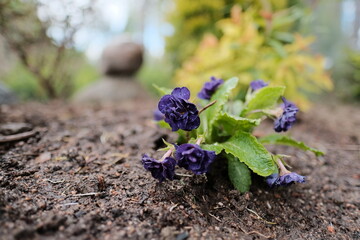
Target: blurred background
(55,49)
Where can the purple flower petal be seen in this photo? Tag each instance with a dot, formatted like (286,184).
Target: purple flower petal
(275,180)
(290,178)
(182,92)
(258,84)
(160,170)
(209,88)
(158,116)
(271,180)
(288,118)
(193,158)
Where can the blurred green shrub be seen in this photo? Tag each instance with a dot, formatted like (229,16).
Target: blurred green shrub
(23,83)
(155,71)
(353,76)
(27,87)
(258,47)
(192,19)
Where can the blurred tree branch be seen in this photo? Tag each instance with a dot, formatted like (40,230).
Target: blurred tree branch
(49,60)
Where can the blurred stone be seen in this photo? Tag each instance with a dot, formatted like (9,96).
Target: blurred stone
(122,58)
(110,89)
(120,61)
(6,96)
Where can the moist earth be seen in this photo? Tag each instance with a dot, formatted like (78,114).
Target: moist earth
(79,176)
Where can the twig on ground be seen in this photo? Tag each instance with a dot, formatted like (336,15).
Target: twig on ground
(86,194)
(218,219)
(54,182)
(173,207)
(17,137)
(268,222)
(256,232)
(248,233)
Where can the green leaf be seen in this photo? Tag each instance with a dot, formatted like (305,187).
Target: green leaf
(239,174)
(231,123)
(221,96)
(284,36)
(278,47)
(162,91)
(249,151)
(163,124)
(285,140)
(234,107)
(263,98)
(168,146)
(212,147)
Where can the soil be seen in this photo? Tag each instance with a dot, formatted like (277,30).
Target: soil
(79,176)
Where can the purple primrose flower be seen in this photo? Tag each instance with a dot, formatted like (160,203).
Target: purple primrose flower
(179,113)
(209,88)
(158,116)
(288,118)
(258,84)
(193,158)
(275,180)
(160,170)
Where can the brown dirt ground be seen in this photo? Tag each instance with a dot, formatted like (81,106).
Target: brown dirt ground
(80,177)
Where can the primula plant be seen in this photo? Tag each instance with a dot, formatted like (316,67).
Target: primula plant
(218,125)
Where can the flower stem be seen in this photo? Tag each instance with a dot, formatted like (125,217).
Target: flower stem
(167,154)
(199,140)
(207,106)
(282,168)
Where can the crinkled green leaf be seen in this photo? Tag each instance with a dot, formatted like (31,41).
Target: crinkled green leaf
(239,174)
(285,140)
(234,107)
(212,147)
(230,123)
(221,96)
(263,98)
(249,151)
(162,91)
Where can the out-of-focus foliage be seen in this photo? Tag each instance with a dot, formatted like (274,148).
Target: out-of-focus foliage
(353,78)
(192,19)
(26,85)
(249,52)
(155,72)
(49,67)
(337,38)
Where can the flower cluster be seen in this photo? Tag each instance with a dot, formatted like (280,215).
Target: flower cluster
(193,158)
(178,112)
(188,156)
